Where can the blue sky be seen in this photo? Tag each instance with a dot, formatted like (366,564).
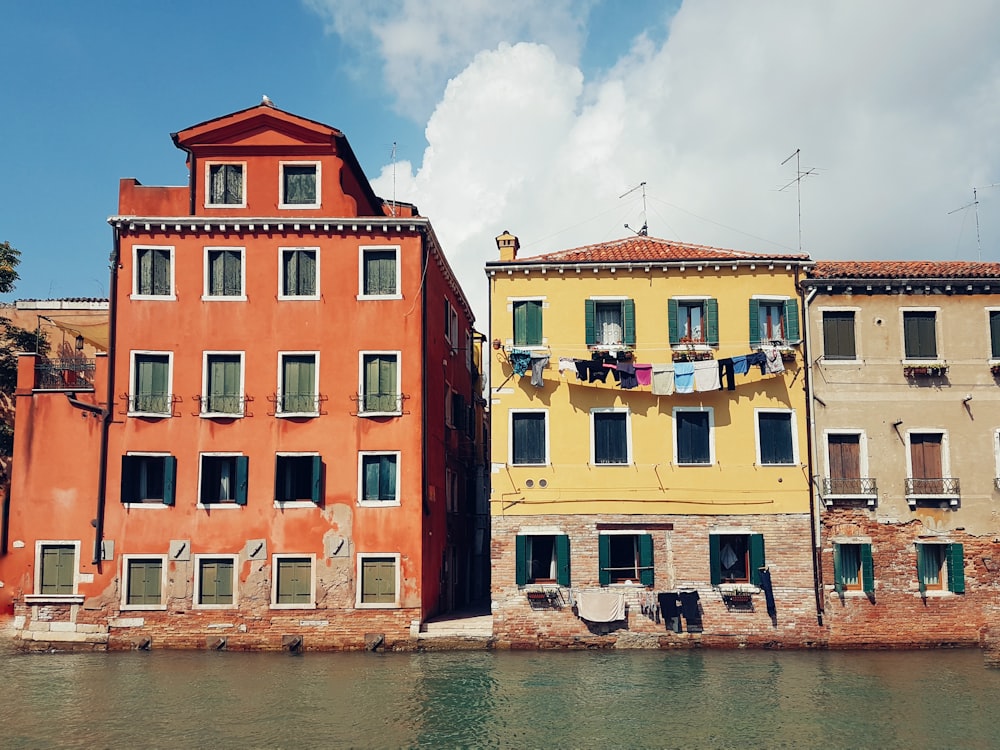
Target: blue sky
(532,117)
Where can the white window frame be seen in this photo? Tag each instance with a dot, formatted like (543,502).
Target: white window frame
(362,250)
(204,414)
(274,580)
(38,595)
(858,356)
(281,184)
(451,324)
(132,412)
(361,480)
(124,578)
(945,449)
(542,300)
(281,384)
(711,433)
(449,406)
(288,504)
(153,504)
(990,359)
(361,556)
(198,559)
(208,183)
(996,451)
(629,457)
(862,448)
(281,274)
(206,294)
(233,505)
(399,382)
(794,430)
(702,346)
(938,338)
(135,277)
(510,436)
(606,298)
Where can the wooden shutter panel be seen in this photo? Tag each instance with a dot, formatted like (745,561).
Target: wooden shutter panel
(712,322)
(604,559)
(520,560)
(838,570)
(754,323)
(562,560)
(646,572)
(169,479)
(756,557)
(956,568)
(673,322)
(714,559)
(995,334)
(867,569)
(589,324)
(242,466)
(317,480)
(791,313)
(533,323)
(921,568)
(520,323)
(628,320)
(128,487)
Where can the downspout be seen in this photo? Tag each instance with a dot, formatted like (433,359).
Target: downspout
(423,411)
(811,450)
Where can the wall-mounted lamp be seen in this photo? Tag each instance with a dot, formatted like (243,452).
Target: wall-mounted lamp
(897,423)
(79,343)
(967,398)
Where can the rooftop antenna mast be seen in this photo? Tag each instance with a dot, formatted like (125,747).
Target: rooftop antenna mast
(799,175)
(393,205)
(644,229)
(975,204)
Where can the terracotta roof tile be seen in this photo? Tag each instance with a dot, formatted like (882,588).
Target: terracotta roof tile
(903,269)
(641,248)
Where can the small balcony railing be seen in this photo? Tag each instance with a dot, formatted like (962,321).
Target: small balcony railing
(380,403)
(65,375)
(841,487)
(225,404)
(150,404)
(932,488)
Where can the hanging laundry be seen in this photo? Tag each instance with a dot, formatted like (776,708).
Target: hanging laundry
(706,375)
(582,369)
(538,365)
(740,366)
(600,606)
(644,374)
(626,376)
(684,377)
(670,608)
(567,364)
(691,610)
(597,371)
(773,363)
(663,380)
(520,360)
(727,372)
(756,359)
(765,584)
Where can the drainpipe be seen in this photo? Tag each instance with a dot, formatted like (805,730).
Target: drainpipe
(811,450)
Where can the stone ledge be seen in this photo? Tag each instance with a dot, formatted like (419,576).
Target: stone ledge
(59,637)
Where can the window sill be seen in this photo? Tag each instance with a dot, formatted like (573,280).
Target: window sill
(154,297)
(299,206)
(377,605)
(225,205)
(744,587)
(310,605)
(222,298)
(148,414)
(376,297)
(296,414)
(53,599)
(144,607)
(283,504)
(219,506)
(841,361)
(298,298)
(936,594)
(687,464)
(215,607)
(221,415)
(151,505)
(379,504)
(366,414)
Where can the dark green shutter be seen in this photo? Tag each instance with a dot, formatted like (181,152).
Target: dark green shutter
(242,466)
(604,559)
(673,322)
(714,559)
(129,480)
(754,323)
(317,480)
(995,334)
(58,569)
(562,560)
(169,477)
(520,324)
(534,323)
(838,570)
(921,568)
(791,314)
(867,569)
(646,572)
(756,557)
(712,322)
(628,316)
(956,568)
(520,560)
(589,317)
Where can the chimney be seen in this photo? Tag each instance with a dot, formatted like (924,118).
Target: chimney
(508,246)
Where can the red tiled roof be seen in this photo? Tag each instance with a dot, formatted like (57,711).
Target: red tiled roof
(641,249)
(903,269)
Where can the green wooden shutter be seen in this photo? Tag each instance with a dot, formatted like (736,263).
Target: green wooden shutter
(867,569)
(534,323)
(372,402)
(58,569)
(995,334)
(712,322)
(838,570)
(387,383)
(714,559)
(756,557)
(129,480)
(589,324)
(520,323)
(673,322)
(791,313)
(956,568)
(387,478)
(242,466)
(520,560)
(628,317)
(169,479)
(317,480)
(646,572)
(562,560)
(604,559)
(921,568)
(754,323)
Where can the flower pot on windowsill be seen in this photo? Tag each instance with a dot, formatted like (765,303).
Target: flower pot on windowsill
(995,369)
(931,371)
(738,597)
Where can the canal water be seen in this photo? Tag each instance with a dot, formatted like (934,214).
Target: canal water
(481,699)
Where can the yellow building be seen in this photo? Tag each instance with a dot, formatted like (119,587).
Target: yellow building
(649,445)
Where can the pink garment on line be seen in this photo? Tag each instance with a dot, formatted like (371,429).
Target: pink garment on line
(644,374)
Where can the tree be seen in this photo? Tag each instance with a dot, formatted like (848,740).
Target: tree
(10,257)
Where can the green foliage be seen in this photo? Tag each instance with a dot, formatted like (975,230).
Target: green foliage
(10,257)
(14,339)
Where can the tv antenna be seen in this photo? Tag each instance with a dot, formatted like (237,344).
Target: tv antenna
(799,176)
(975,204)
(644,229)
(393,204)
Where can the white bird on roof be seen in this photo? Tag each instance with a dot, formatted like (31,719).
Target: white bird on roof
(266,101)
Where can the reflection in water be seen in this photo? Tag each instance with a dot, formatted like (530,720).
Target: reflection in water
(499,699)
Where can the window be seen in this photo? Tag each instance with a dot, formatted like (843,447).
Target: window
(223,479)
(293,581)
(994,334)
(143,587)
(225,185)
(844,452)
(298,477)
(941,567)
(735,558)
(693,442)
(927,475)
(625,558)
(300,185)
(380,383)
(774,321)
(838,335)
(378,576)
(528,322)
(610,439)
(299,273)
(450,325)
(529,442)
(693,321)
(852,567)
(298,384)
(378,478)
(150,395)
(919,334)
(542,558)
(213,583)
(148,478)
(223,384)
(224,277)
(154,272)
(609,322)
(57,569)
(379,272)
(776,443)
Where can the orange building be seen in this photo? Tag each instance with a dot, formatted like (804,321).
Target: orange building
(283,446)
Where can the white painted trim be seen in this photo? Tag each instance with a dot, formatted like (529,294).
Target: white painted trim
(124,578)
(152,503)
(208,184)
(862,448)
(857,339)
(281,185)
(711,433)
(609,297)
(274,580)
(39,544)
(198,559)
(229,504)
(132,384)
(938,340)
(362,250)
(206,294)
(135,274)
(691,297)
(628,434)
(205,390)
(510,436)
(794,430)
(945,449)
(361,382)
(771,297)
(361,480)
(290,504)
(281,274)
(281,385)
(358,586)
